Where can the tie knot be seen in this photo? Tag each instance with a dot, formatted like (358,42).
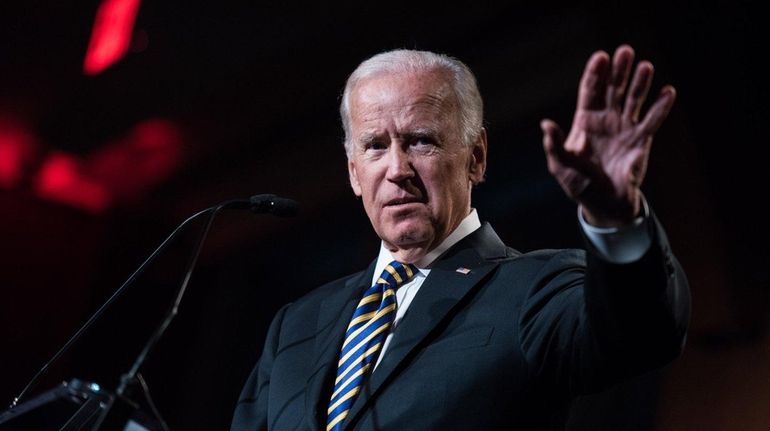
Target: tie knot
(396,274)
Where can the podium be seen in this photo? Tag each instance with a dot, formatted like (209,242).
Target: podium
(76,406)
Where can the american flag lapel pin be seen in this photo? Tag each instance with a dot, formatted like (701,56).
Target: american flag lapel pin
(463,271)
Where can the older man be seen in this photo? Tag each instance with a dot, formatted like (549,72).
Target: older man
(448,328)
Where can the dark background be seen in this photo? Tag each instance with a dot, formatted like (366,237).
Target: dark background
(216,101)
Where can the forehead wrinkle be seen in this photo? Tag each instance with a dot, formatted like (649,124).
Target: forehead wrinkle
(423,115)
(428,104)
(403,110)
(439,92)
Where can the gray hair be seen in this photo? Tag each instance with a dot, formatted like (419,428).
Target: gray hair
(462,82)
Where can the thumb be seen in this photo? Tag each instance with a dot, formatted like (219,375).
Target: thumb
(553,143)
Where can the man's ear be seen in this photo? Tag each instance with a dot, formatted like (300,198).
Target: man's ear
(477,164)
(354,178)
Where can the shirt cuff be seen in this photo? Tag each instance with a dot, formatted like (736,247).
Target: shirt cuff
(620,244)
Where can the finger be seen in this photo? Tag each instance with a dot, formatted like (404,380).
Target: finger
(593,84)
(659,110)
(621,69)
(553,144)
(637,93)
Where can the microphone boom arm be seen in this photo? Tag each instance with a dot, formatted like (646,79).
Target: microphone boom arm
(265,203)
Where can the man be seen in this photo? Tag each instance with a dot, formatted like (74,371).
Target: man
(449,328)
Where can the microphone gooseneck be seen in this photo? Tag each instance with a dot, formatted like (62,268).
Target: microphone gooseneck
(267,203)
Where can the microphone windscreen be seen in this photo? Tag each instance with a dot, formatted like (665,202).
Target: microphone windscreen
(284,207)
(268,203)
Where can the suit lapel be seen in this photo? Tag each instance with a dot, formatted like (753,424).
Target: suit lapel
(333,317)
(439,295)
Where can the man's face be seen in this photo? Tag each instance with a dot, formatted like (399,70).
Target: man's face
(408,162)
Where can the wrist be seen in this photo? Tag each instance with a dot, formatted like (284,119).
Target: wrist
(615,225)
(615,216)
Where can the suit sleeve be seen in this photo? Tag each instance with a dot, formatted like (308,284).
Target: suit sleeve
(251,410)
(589,322)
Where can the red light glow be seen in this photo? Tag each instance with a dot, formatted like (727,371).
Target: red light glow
(61,179)
(121,172)
(18,148)
(111,35)
(130,166)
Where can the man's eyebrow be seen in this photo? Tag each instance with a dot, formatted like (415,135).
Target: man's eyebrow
(368,136)
(419,132)
(423,131)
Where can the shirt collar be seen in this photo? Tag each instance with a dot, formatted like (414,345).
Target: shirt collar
(469,224)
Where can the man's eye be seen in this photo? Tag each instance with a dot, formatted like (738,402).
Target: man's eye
(375,146)
(423,141)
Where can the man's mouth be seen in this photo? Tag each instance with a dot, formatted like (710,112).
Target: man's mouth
(403,201)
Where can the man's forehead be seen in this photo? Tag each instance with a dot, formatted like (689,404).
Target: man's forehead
(425,94)
(407,88)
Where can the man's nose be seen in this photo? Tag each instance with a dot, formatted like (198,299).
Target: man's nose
(399,166)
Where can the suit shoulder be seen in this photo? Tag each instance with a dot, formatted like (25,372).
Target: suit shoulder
(546,261)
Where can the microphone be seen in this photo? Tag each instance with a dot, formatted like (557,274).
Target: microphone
(258,204)
(265,204)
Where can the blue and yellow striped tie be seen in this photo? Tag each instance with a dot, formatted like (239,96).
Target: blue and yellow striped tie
(363,340)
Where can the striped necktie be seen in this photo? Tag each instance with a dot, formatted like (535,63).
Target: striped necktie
(363,339)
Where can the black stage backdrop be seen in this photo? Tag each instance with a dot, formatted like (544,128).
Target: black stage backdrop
(215,101)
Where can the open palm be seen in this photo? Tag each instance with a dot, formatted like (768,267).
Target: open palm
(603,160)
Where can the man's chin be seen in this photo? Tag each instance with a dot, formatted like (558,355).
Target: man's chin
(414,243)
(409,233)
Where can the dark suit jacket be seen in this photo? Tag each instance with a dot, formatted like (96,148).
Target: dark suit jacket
(504,347)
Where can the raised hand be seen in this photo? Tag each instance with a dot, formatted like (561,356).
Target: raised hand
(603,160)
